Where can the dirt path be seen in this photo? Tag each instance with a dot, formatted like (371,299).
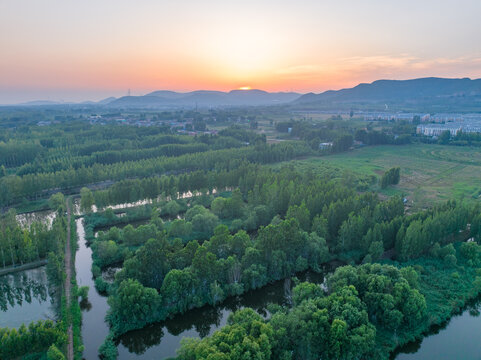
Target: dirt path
(68,272)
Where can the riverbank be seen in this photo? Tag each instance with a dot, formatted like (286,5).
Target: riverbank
(68,283)
(71,313)
(31,265)
(443,342)
(448,289)
(447,286)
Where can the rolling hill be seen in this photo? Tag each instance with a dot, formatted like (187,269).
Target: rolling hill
(203,98)
(437,94)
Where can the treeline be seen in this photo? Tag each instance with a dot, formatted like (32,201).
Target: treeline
(57,147)
(194,275)
(115,151)
(38,144)
(375,137)
(339,132)
(467,139)
(66,161)
(13,188)
(127,191)
(22,245)
(426,232)
(34,339)
(239,133)
(411,236)
(339,324)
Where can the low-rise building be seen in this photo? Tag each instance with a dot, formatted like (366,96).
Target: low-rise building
(453,127)
(438,129)
(325,145)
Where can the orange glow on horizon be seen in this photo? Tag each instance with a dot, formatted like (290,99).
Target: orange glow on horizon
(223,45)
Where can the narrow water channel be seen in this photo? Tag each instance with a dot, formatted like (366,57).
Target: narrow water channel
(94,327)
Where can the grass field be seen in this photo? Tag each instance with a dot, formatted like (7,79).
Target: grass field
(429,173)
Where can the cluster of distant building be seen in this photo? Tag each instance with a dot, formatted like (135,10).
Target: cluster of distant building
(387,116)
(433,124)
(454,128)
(422,117)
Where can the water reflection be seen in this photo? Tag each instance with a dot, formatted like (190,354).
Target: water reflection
(458,339)
(161,340)
(94,327)
(185,195)
(45,216)
(25,297)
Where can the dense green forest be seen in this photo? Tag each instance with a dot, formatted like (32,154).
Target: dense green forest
(270,227)
(224,215)
(367,312)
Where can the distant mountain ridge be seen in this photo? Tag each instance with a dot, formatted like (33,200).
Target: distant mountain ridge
(430,94)
(420,91)
(204,98)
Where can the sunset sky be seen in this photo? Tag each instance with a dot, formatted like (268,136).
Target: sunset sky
(88,50)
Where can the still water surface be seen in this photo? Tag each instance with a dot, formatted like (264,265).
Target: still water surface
(459,338)
(94,327)
(24,297)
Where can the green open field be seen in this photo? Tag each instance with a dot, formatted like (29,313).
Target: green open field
(429,173)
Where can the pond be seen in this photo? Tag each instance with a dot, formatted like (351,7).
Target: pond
(44,216)
(459,338)
(25,297)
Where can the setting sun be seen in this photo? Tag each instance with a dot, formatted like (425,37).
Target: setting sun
(245,88)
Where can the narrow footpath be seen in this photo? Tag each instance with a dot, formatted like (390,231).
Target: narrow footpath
(68,279)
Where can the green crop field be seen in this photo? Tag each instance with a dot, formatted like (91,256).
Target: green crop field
(429,173)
